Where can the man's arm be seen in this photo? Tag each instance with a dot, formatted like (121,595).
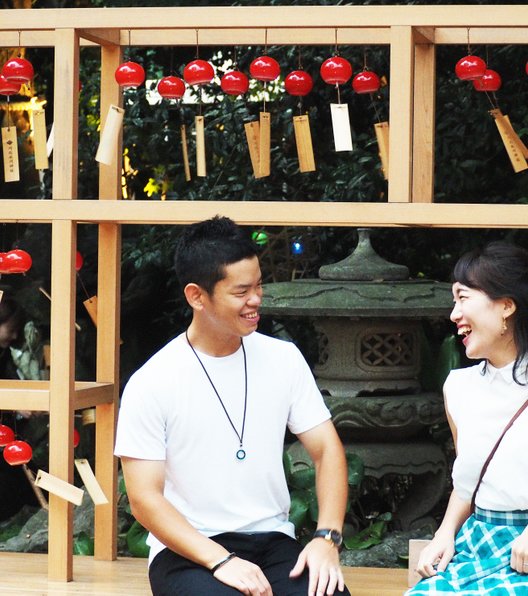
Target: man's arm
(145,481)
(321,557)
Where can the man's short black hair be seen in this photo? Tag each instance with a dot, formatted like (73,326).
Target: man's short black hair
(205,248)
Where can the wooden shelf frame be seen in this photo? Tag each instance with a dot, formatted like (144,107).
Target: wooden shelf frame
(412,33)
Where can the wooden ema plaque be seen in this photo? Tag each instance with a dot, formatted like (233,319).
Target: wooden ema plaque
(303,140)
(10,153)
(106,152)
(517,151)
(185,152)
(39,140)
(382,136)
(201,169)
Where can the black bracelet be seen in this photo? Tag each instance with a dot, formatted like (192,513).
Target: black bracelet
(223,561)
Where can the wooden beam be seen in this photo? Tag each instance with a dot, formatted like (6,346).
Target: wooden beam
(423,123)
(268,17)
(102,37)
(400,114)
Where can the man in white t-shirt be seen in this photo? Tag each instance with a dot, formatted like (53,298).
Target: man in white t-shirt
(201,434)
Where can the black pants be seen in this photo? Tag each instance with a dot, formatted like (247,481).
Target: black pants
(274,552)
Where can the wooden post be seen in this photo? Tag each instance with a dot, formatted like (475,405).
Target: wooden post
(63,246)
(424,121)
(108,314)
(400,117)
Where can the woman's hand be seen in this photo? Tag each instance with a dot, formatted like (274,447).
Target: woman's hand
(436,555)
(519,556)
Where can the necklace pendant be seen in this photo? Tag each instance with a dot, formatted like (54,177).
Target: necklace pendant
(241,454)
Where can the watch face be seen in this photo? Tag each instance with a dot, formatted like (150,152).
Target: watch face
(336,537)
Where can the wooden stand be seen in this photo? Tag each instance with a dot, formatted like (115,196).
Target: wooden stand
(412,33)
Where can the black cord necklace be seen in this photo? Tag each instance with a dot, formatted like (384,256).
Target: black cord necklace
(241,453)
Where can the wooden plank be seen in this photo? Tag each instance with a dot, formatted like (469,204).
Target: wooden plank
(267,17)
(423,123)
(62,372)
(400,114)
(301,213)
(128,577)
(66,114)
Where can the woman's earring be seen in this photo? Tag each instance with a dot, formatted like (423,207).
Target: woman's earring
(504,326)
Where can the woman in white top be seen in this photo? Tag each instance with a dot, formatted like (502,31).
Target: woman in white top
(486,551)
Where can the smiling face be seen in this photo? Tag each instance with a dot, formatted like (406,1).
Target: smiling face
(231,311)
(480,321)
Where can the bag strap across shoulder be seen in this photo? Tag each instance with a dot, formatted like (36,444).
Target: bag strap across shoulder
(492,452)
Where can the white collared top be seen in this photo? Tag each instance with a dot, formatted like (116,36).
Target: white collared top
(481,400)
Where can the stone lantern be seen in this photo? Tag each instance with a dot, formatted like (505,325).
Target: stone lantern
(369,318)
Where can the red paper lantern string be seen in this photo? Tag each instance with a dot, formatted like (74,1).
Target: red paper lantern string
(79,261)
(198,72)
(18,70)
(234,82)
(130,75)
(15,261)
(264,68)
(171,87)
(366,81)
(8,87)
(298,83)
(490,81)
(18,453)
(470,67)
(336,70)
(7,435)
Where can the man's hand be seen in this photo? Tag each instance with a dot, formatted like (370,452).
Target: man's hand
(322,560)
(244,576)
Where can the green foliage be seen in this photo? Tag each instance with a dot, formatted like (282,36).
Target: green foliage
(304,510)
(83,544)
(136,539)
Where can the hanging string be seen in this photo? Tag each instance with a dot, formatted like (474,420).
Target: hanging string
(300,66)
(468,46)
(336,51)
(197,44)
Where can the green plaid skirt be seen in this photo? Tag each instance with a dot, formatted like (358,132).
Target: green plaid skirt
(481,564)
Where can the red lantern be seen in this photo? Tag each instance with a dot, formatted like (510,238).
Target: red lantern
(16,261)
(298,82)
(18,70)
(7,435)
(198,72)
(76,437)
(264,68)
(130,75)
(470,68)
(489,81)
(234,82)
(366,82)
(171,87)
(526,68)
(336,70)
(17,453)
(8,87)
(79,261)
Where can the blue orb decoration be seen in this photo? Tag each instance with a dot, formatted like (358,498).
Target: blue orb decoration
(297,248)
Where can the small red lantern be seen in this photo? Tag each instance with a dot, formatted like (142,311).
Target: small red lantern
(130,75)
(17,453)
(76,437)
(79,261)
(366,82)
(298,82)
(171,87)
(7,435)
(234,82)
(336,70)
(198,72)
(489,81)
(8,87)
(526,68)
(470,67)
(18,70)
(16,261)
(264,68)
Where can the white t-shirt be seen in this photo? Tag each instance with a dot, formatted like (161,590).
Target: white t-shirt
(481,406)
(169,412)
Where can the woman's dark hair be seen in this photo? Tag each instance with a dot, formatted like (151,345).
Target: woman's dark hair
(205,248)
(500,270)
